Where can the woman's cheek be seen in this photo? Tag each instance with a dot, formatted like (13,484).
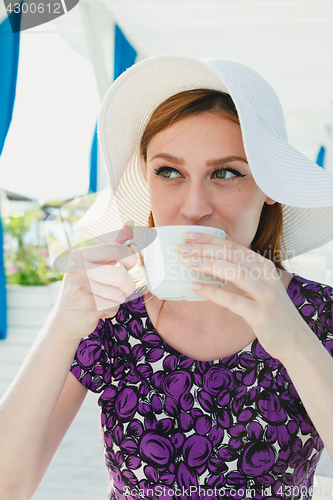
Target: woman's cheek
(244,224)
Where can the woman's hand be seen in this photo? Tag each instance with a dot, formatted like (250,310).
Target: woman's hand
(260,297)
(94,286)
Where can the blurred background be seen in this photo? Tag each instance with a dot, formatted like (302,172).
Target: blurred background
(52,80)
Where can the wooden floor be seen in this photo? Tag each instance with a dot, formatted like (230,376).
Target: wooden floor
(77,471)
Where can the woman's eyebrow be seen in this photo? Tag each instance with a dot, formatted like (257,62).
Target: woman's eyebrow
(210,163)
(168,157)
(222,161)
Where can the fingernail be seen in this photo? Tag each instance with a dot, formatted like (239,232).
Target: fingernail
(119,264)
(186,260)
(191,236)
(130,223)
(197,286)
(184,247)
(196,261)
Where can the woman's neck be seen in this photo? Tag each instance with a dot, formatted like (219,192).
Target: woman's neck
(201,330)
(201,314)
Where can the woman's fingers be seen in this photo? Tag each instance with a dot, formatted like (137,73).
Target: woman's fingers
(87,258)
(218,248)
(226,260)
(112,275)
(93,284)
(108,253)
(124,234)
(238,304)
(71,261)
(106,296)
(253,280)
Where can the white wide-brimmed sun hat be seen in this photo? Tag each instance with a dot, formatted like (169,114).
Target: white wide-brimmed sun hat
(284,174)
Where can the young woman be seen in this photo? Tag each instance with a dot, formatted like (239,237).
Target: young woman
(228,397)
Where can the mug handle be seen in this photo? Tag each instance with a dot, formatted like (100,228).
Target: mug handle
(140,273)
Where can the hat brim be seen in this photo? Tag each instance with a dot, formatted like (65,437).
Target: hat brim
(282,173)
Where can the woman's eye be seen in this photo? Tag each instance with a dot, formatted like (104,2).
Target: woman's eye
(167,172)
(227,174)
(172,173)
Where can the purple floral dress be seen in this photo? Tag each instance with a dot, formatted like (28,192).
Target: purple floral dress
(176,428)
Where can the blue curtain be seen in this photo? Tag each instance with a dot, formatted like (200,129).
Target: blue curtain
(124,53)
(93,165)
(124,57)
(321,157)
(9,55)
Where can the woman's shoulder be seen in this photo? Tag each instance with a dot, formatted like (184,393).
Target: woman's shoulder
(304,287)
(314,301)
(295,284)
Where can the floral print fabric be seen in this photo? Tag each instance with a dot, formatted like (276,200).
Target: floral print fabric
(176,428)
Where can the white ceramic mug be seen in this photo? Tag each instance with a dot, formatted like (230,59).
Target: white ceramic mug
(165,272)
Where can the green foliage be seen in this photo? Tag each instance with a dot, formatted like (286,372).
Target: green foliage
(26,263)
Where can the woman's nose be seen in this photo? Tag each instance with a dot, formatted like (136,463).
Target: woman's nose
(196,203)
